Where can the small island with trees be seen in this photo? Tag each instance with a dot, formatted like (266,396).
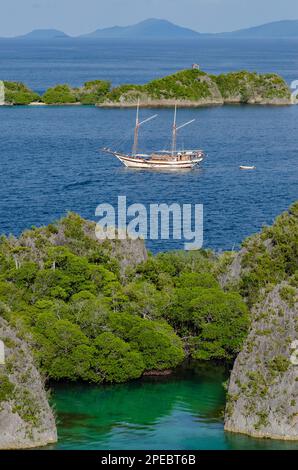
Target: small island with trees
(188,88)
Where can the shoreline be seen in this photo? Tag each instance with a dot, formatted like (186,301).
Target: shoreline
(189,88)
(153,105)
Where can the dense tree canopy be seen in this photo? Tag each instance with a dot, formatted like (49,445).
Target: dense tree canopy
(270,256)
(190,85)
(18,93)
(86,319)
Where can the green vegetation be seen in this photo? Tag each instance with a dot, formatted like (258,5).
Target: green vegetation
(60,94)
(186,85)
(288,294)
(249,86)
(279,364)
(260,386)
(6,388)
(196,86)
(86,319)
(127,93)
(271,257)
(91,93)
(213,322)
(19,94)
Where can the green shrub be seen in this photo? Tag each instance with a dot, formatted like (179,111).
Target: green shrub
(6,388)
(160,346)
(265,266)
(19,94)
(221,320)
(93,91)
(87,320)
(60,94)
(115,361)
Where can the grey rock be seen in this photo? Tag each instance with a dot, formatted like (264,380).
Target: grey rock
(263,388)
(26,418)
(233,272)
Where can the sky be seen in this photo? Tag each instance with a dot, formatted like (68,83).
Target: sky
(82,16)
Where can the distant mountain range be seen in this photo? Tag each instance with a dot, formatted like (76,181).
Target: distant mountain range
(148,29)
(163,29)
(44,34)
(277,29)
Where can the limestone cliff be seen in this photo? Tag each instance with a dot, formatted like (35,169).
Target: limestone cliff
(192,88)
(26,419)
(188,88)
(253,88)
(80,236)
(263,390)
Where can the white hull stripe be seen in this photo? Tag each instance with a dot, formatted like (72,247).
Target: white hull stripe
(129,161)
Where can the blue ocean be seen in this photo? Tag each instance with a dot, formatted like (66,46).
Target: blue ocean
(51,163)
(50,157)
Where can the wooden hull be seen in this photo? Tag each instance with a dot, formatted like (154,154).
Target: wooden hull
(131,162)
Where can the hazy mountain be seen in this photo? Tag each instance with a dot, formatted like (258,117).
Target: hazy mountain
(151,29)
(162,29)
(43,34)
(277,29)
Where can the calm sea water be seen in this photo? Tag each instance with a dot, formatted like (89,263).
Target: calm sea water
(49,164)
(49,157)
(126,61)
(183,411)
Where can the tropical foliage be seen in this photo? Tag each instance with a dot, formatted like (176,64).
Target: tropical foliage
(60,94)
(248,86)
(19,94)
(271,256)
(93,91)
(87,319)
(185,85)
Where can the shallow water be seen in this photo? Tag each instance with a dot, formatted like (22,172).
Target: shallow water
(183,411)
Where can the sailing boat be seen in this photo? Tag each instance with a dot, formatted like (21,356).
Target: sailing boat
(173,159)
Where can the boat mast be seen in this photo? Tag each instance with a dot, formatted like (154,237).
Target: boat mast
(174,134)
(137,126)
(136,132)
(176,129)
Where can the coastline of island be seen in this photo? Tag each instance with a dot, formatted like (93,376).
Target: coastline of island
(187,88)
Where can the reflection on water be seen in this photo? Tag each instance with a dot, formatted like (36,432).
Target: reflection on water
(182,411)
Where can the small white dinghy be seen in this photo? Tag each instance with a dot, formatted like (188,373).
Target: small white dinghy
(245,167)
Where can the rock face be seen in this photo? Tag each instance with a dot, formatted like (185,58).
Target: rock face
(231,275)
(263,389)
(194,88)
(188,88)
(252,88)
(2,93)
(26,419)
(127,252)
